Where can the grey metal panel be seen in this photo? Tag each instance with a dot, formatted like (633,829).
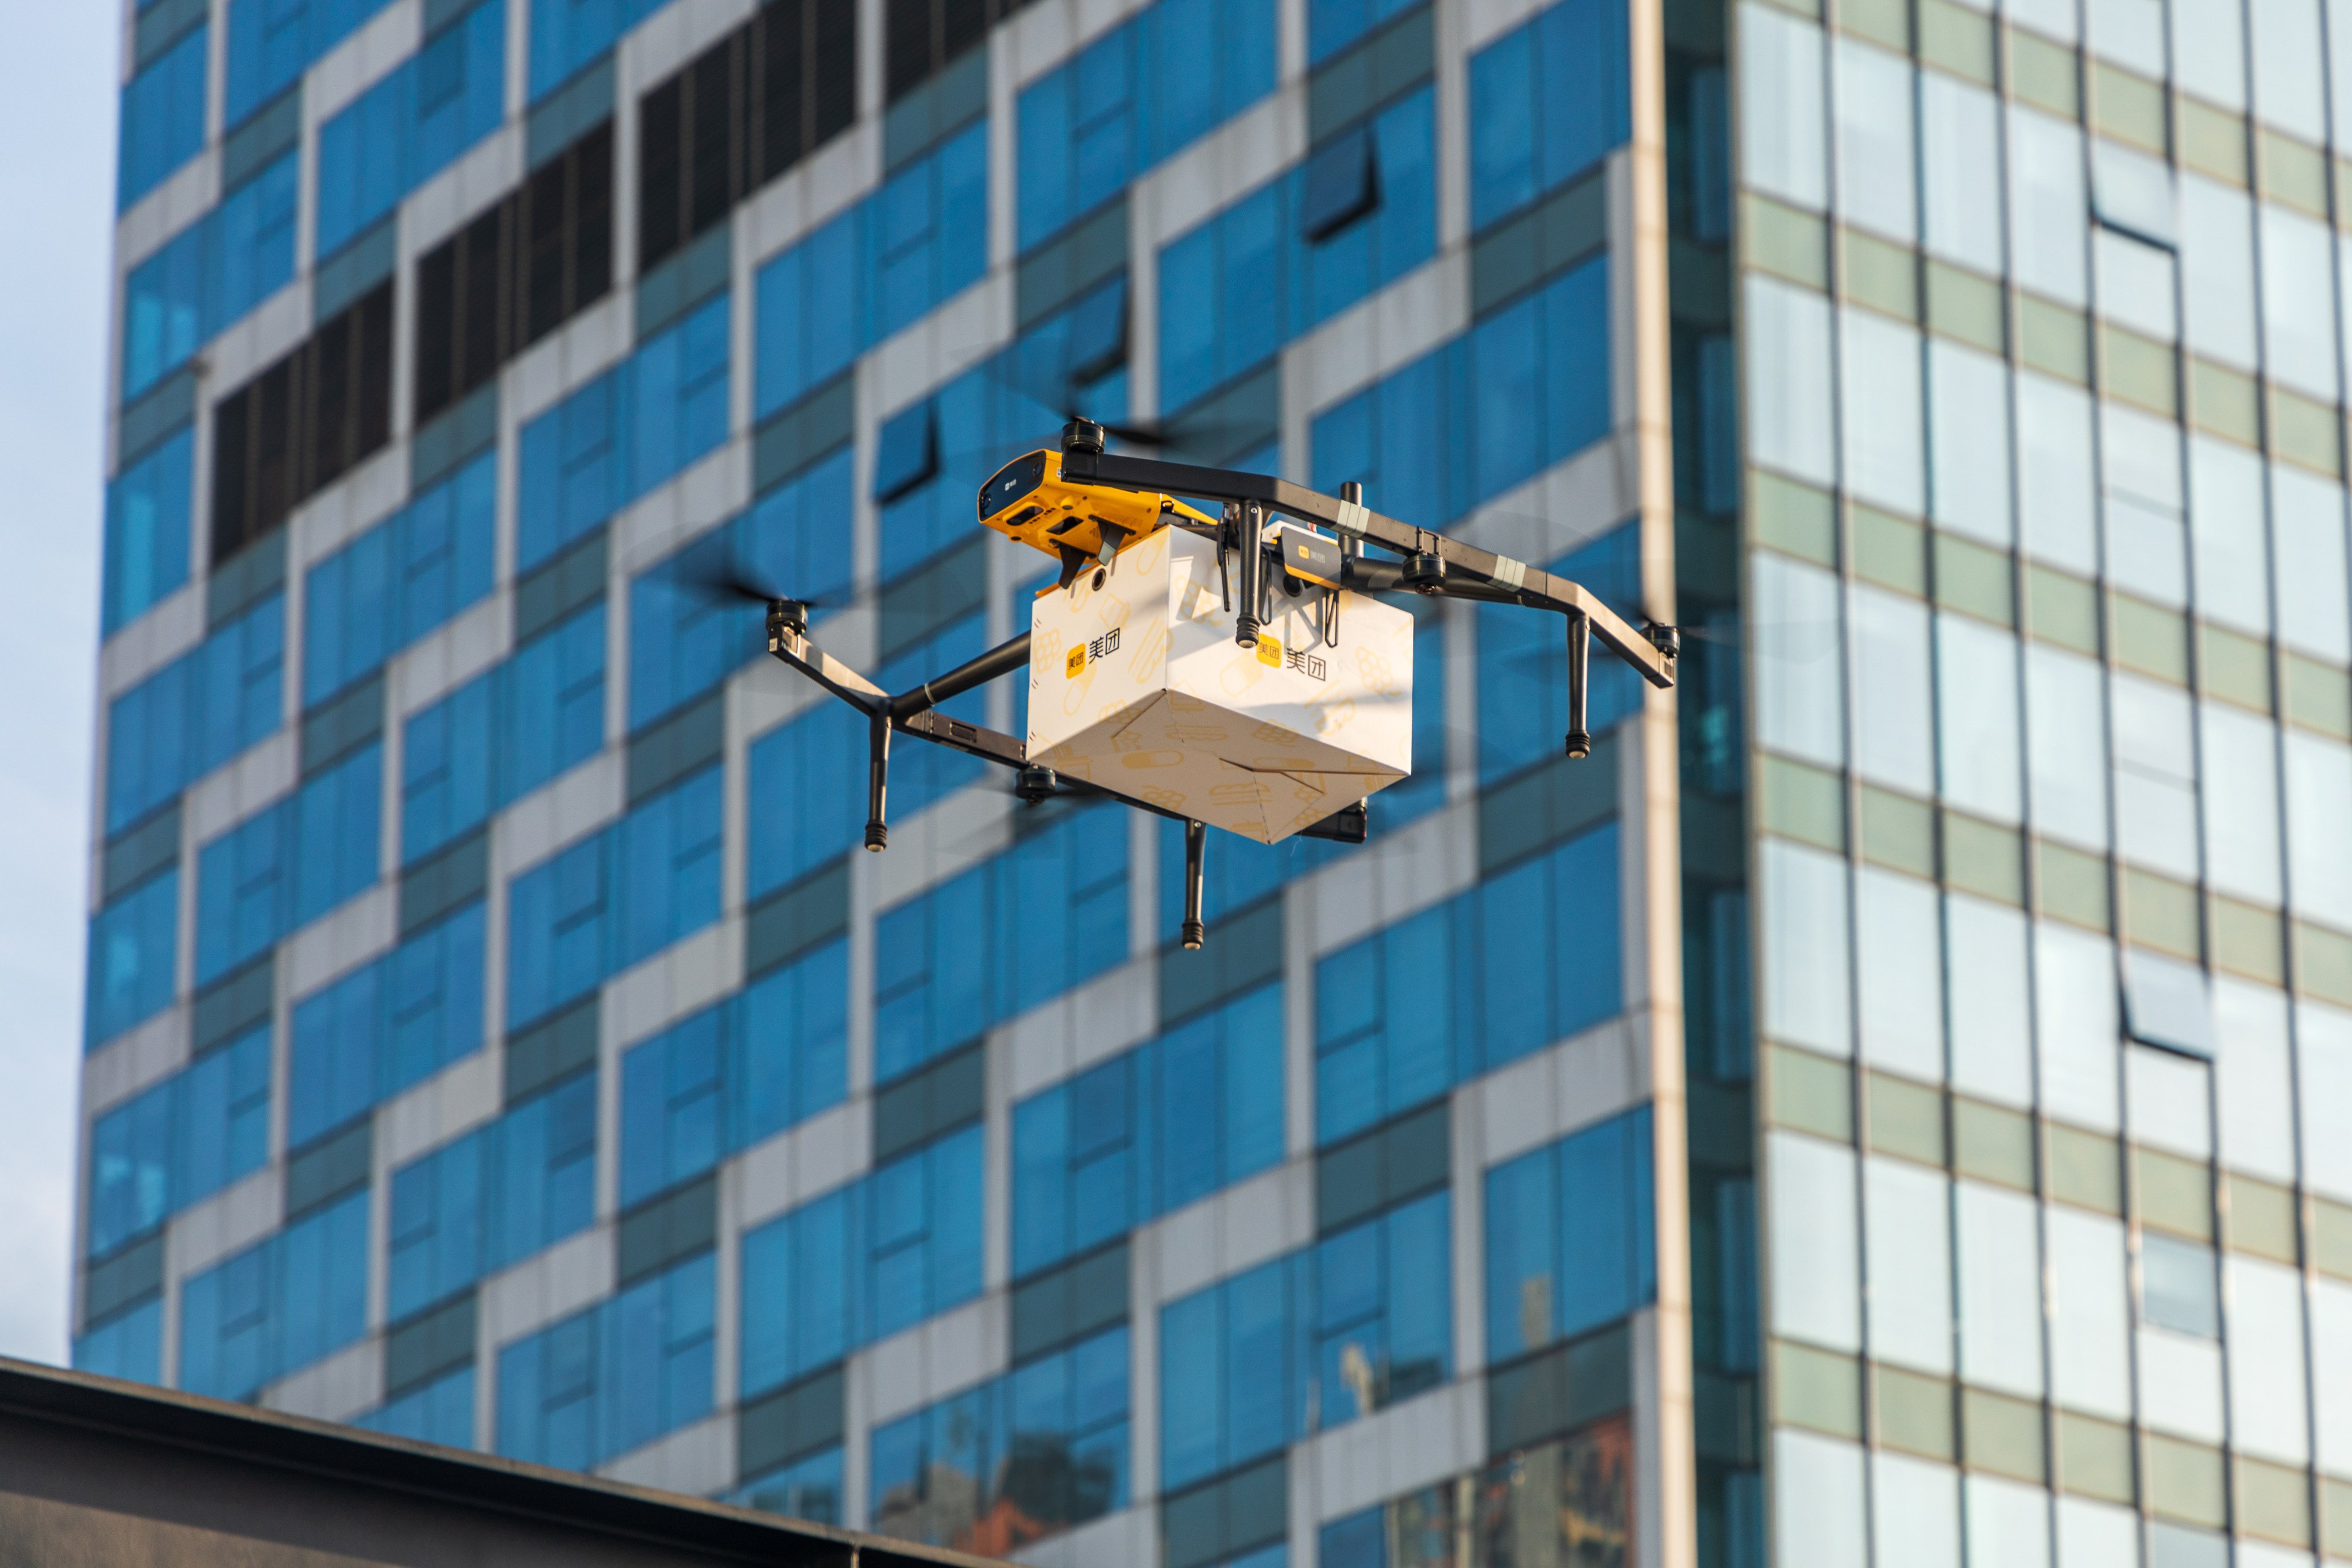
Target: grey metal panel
(95,1472)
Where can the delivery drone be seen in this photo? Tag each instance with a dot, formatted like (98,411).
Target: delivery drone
(1237,671)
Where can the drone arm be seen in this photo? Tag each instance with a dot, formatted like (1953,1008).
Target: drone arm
(1002,659)
(792,647)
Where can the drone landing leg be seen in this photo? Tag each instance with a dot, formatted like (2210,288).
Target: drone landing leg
(877,780)
(1196,844)
(1580,654)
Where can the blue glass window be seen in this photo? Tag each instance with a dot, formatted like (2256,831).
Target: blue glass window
(336,817)
(1146,1132)
(392,1023)
(1523,663)
(767,1057)
(195,713)
(923,1232)
(133,952)
(1547,101)
(615,897)
(801,1290)
(278,1306)
(1356,1321)
(1237,288)
(806,1488)
(566,34)
(441,1412)
(549,706)
(412,125)
(1047,1441)
(497,1194)
(208,276)
(1333,24)
(162,117)
(272,42)
(1382,1323)
(684,639)
(1119,108)
(128,1345)
(899,1244)
(885,262)
(612,1378)
(503,734)
(179,1141)
(808,795)
(1521,391)
(1523,959)
(147,529)
(623,434)
(1022,927)
(399,580)
(1570,1236)
(290,864)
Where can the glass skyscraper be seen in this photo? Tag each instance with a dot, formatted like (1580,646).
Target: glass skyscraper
(1889,1106)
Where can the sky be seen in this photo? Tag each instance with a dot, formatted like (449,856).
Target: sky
(57,184)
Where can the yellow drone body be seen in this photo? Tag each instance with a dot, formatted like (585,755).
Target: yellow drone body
(1029,501)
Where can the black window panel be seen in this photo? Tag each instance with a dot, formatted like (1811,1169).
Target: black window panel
(302,424)
(661,144)
(476,355)
(740,114)
(1342,185)
(515,273)
(717,84)
(923,36)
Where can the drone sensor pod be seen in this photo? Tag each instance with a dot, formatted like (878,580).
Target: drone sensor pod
(1029,501)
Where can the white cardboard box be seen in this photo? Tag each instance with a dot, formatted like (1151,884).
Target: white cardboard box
(1137,686)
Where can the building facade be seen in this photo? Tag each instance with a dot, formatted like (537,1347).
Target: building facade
(1874,1111)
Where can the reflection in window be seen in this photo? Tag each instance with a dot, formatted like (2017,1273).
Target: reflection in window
(133,954)
(806,1488)
(1327,1334)
(1020,1457)
(179,1141)
(1569,1236)
(147,529)
(1565,1504)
